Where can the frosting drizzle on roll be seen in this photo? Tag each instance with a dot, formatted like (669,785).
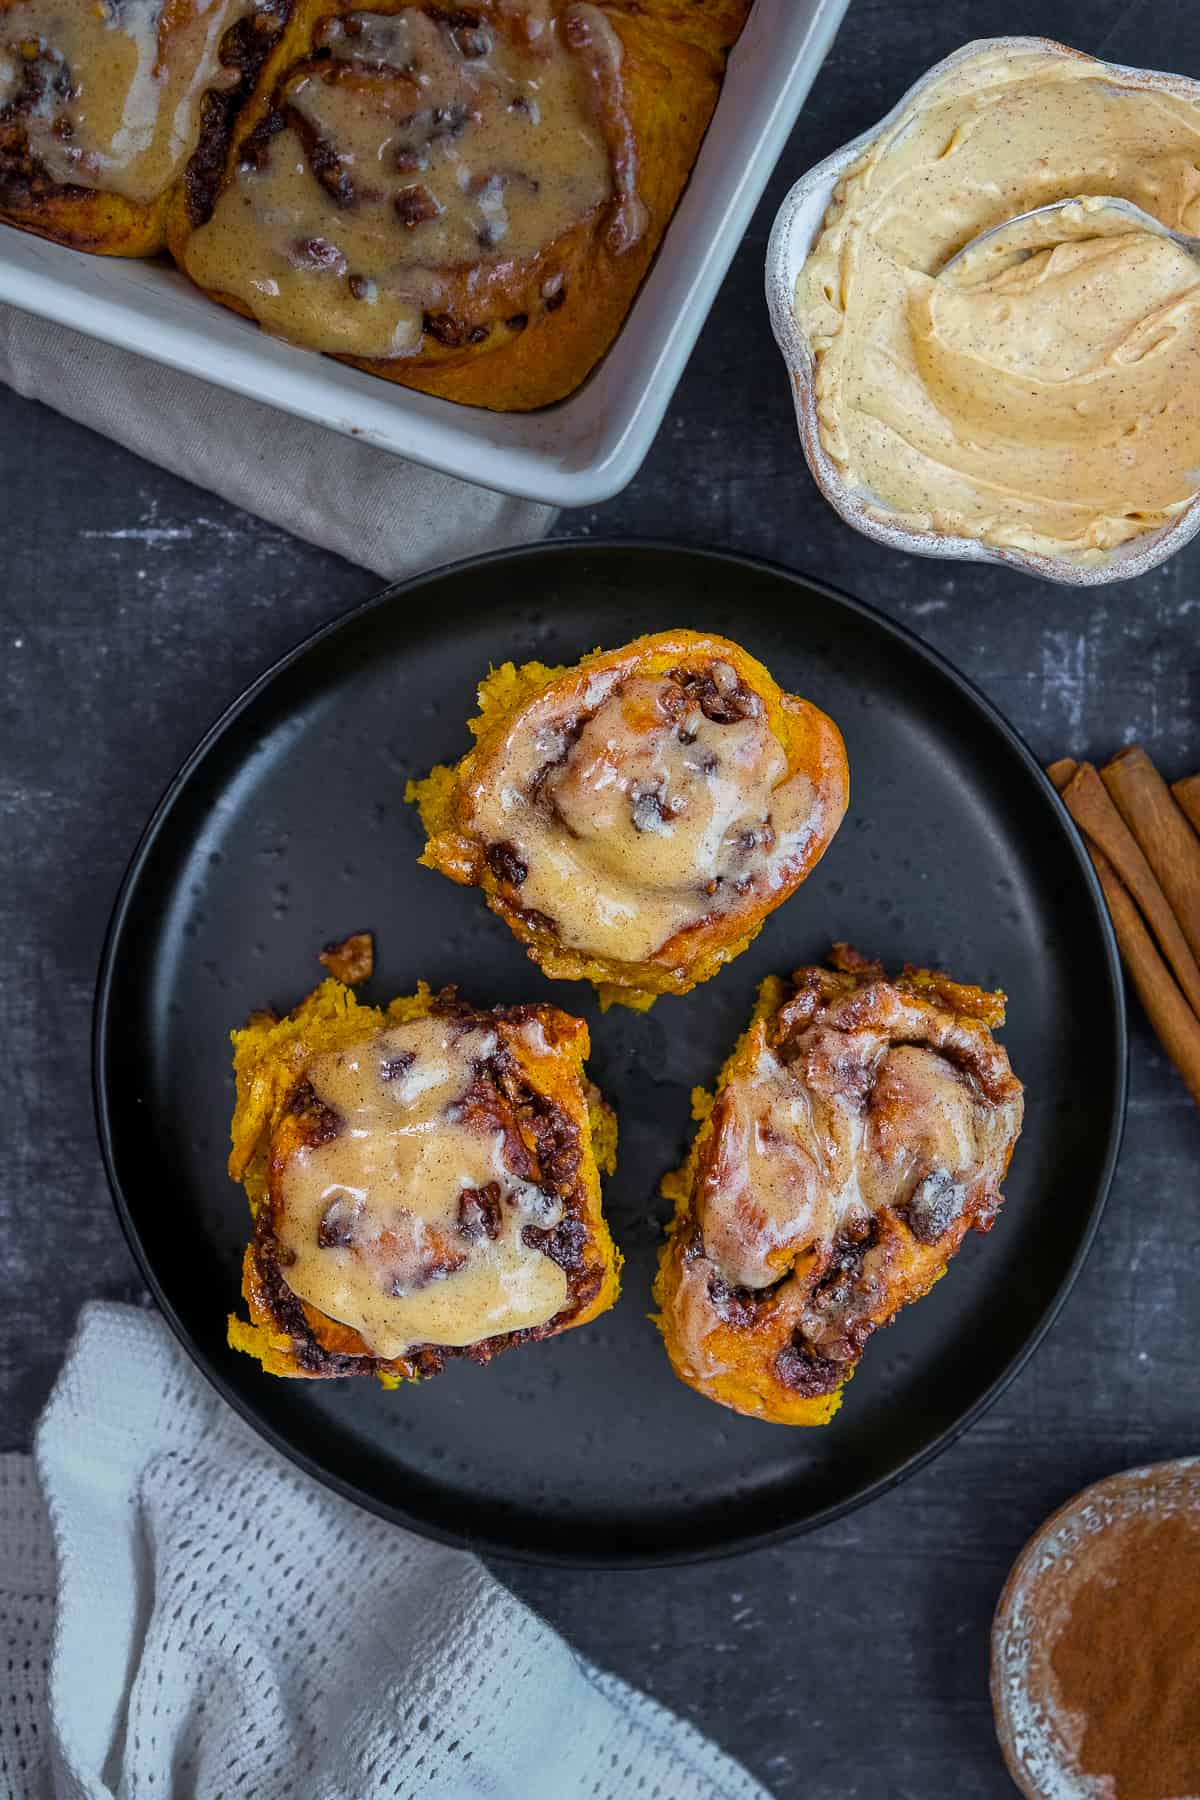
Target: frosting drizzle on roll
(861,1127)
(665,799)
(633,819)
(409,1214)
(109,92)
(414,171)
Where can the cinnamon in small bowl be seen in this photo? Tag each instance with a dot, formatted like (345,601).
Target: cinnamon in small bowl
(1096,1644)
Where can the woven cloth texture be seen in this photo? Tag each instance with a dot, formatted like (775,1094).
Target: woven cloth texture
(184,1614)
(371,507)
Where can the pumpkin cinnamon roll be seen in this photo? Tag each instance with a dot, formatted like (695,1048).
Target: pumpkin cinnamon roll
(424,1180)
(859,1129)
(635,818)
(464,198)
(107,106)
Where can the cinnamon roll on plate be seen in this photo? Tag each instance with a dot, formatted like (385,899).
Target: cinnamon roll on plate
(859,1129)
(635,818)
(462,199)
(107,107)
(424,1181)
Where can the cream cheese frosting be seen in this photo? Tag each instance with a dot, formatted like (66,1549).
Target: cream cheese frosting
(116,90)
(1047,398)
(646,816)
(411,148)
(409,1225)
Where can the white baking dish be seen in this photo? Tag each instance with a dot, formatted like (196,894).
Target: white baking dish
(577,453)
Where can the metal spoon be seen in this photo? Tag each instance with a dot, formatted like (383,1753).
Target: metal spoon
(1104,216)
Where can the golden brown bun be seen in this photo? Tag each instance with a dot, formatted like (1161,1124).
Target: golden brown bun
(812,746)
(534,350)
(863,1069)
(107,223)
(276,1115)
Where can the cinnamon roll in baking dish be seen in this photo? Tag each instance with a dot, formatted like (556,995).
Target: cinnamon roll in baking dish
(465,198)
(424,1182)
(860,1127)
(108,106)
(634,819)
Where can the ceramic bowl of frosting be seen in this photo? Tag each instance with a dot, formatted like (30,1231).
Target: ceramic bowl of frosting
(1051,422)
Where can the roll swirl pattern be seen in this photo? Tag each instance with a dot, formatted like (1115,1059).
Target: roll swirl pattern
(424,1183)
(859,1129)
(634,819)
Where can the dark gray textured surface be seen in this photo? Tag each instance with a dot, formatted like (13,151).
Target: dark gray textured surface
(849,1664)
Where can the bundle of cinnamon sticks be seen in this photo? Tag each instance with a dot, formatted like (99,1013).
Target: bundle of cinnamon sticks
(1144,839)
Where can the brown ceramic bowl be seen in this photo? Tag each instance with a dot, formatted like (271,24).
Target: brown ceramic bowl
(1039,1740)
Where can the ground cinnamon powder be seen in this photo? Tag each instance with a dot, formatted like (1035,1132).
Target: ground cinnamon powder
(1128,1661)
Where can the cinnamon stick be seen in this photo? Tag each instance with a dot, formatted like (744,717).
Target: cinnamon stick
(1170,845)
(1187,793)
(1175,1024)
(1087,800)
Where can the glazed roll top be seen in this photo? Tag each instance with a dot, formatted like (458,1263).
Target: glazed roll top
(108,94)
(424,1180)
(427,1188)
(415,170)
(652,795)
(409,1213)
(861,1128)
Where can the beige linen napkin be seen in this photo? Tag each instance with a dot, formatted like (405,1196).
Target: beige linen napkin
(372,508)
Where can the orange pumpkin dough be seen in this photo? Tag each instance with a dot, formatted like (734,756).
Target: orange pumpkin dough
(858,1130)
(509,324)
(634,819)
(524,1106)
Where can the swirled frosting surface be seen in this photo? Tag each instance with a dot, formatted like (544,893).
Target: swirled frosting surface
(411,148)
(1048,400)
(409,1222)
(660,801)
(110,91)
(856,1135)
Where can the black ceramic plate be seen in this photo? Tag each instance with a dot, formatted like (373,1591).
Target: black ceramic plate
(287,827)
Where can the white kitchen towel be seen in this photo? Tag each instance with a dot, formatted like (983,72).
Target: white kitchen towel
(185,1616)
(372,508)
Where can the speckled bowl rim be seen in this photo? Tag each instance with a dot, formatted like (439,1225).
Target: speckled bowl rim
(1179,1472)
(796,227)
